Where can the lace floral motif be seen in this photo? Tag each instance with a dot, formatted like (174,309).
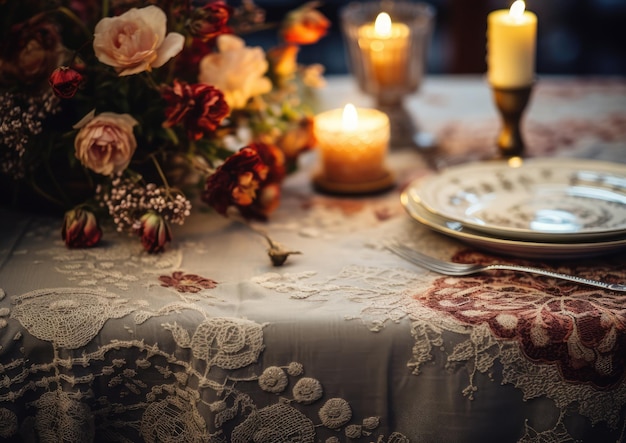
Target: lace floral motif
(226,343)
(189,391)
(68,317)
(174,418)
(121,265)
(335,413)
(63,417)
(189,388)
(383,291)
(581,330)
(273,379)
(8,423)
(499,318)
(307,390)
(279,422)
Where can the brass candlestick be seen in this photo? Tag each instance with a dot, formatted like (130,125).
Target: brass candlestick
(511,103)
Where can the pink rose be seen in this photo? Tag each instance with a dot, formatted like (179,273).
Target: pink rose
(136,41)
(105,143)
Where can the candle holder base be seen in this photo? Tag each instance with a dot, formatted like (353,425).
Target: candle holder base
(511,103)
(323,184)
(404,131)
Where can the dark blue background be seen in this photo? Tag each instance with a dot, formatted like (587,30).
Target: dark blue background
(574,36)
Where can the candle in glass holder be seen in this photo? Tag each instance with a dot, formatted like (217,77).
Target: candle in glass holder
(386,45)
(511,40)
(353,144)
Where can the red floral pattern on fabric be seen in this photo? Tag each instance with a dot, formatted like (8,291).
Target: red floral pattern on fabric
(186,282)
(581,329)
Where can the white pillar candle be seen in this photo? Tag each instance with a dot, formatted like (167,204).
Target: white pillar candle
(353,144)
(385,45)
(511,41)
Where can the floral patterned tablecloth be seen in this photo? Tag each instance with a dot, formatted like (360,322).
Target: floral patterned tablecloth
(346,342)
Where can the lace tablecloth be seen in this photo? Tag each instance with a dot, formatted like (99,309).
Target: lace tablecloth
(346,342)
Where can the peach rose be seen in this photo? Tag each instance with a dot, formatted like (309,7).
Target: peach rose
(136,41)
(105,143)
(236,70)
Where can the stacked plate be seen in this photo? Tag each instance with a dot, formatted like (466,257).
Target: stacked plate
(539,208)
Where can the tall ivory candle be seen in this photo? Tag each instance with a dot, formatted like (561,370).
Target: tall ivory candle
(511,41)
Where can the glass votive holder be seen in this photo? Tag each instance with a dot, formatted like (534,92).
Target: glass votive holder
(387,53)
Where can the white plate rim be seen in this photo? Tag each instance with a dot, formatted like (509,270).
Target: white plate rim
(573,164)
(512,247)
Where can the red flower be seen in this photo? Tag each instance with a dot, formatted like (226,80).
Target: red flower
(210,20)
(186,282)
(248,180)
(154,232)
(200,108)
(80,229)
(29,52)
(65,81)
(274,159)
(269,193)
(304,25)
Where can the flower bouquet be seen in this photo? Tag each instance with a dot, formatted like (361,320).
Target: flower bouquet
(126,108)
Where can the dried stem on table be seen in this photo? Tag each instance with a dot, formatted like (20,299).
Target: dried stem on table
(277,252)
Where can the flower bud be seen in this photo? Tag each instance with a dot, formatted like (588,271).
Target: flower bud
(209,21)
(304,25)
(154,232)
(80,229)
(65,81)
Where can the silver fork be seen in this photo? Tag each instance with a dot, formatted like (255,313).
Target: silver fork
(458,269)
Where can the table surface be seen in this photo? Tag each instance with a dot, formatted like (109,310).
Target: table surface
(345,342)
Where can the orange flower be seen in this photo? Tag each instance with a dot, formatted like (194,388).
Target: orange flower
(304,25)
(248,180)
(283,60)
(297,138)
(268,196)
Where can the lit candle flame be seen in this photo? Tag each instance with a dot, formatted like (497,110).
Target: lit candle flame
(350,119)
(382,25)
(517,9)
